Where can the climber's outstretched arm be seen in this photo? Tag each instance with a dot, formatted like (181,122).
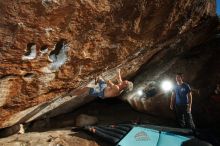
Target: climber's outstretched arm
(119,76)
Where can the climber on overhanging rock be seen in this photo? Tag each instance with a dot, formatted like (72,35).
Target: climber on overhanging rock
(107,89)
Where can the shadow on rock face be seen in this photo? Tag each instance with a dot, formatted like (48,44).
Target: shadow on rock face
(31,52)
(5,132)
(58,56)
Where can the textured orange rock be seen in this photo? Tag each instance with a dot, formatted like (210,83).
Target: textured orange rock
(99,37)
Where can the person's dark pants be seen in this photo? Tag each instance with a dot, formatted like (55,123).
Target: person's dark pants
(184,118)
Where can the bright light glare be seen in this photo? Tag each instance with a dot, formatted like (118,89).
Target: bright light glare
(140,92)
(166,85)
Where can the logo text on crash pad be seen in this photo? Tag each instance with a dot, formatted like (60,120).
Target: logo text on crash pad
(141,136)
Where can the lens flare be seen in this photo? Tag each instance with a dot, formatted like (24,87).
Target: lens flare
(167,85)
(140,92)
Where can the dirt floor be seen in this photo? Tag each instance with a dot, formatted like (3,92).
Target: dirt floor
(57,130)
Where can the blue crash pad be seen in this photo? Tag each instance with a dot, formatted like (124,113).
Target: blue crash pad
(140,136)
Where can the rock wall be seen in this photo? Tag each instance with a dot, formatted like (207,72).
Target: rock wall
(50,47)
(200,66)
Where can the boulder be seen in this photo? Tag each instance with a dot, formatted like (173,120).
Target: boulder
(85,120)
(49,48)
